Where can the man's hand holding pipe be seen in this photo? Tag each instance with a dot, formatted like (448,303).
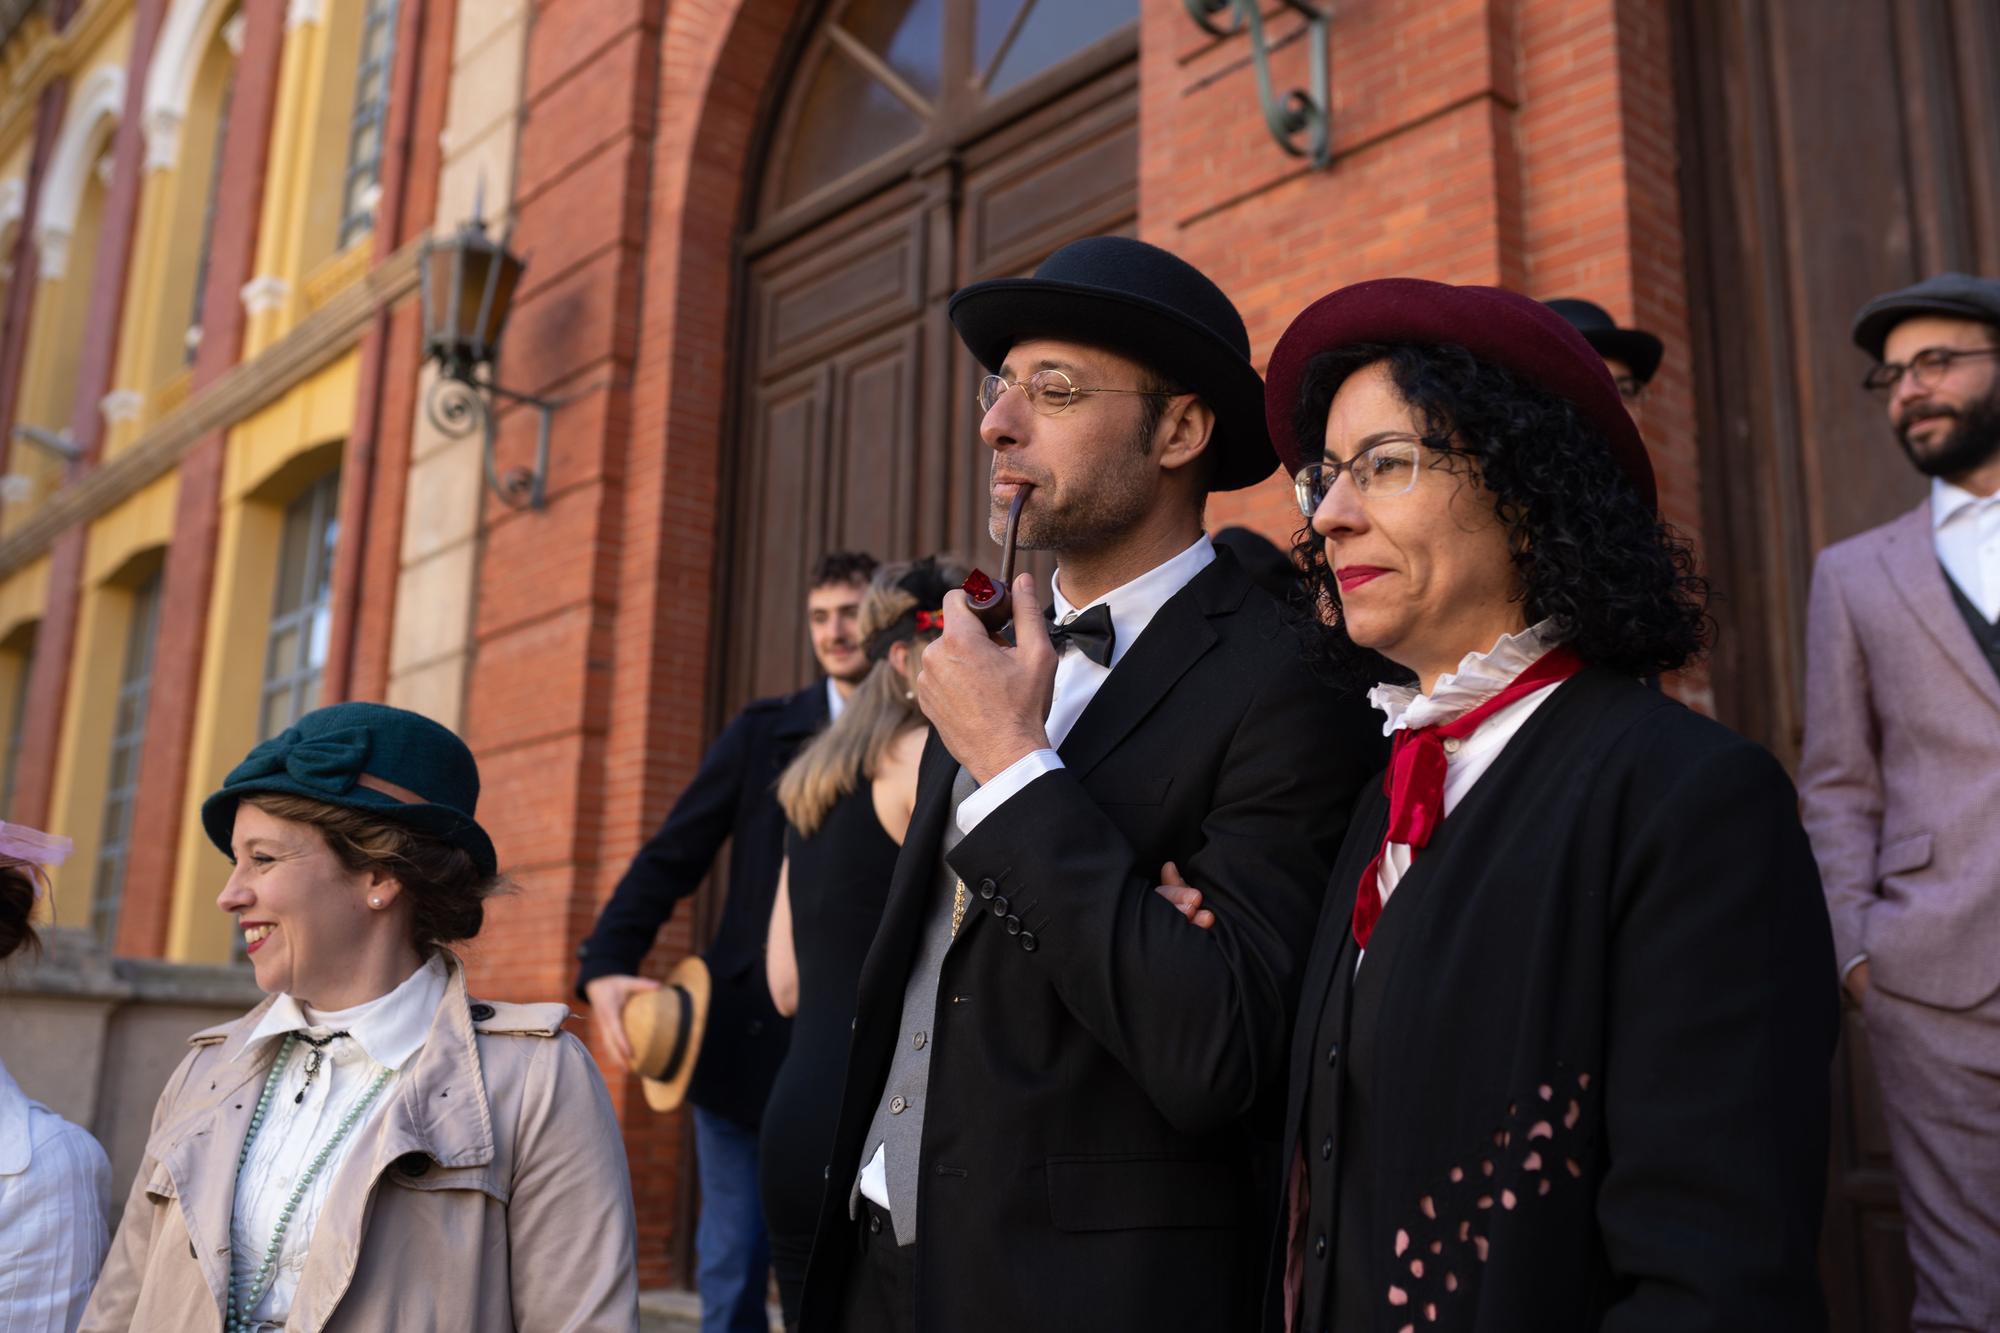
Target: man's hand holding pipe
(989,702)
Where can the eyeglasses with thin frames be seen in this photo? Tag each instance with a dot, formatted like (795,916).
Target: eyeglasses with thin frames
(1926,367)
(1049,391)
(1388,467)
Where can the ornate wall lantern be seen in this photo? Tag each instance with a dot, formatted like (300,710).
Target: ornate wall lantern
(465,283)
(1302,120)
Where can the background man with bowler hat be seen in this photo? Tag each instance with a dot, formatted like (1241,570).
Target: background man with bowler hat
(732,799)
(1900,782)
(1631,355)
(1051,1117)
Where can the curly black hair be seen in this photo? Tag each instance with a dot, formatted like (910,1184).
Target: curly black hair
(1620,583)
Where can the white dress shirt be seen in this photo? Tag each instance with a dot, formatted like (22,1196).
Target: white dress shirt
(384,1033)
(835,700)
(55,1197)
(1966,530)
(1133,606)
(1479,677)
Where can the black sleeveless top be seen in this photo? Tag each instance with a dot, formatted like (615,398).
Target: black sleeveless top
(839,882)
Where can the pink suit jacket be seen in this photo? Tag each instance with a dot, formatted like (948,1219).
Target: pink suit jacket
(1900,779)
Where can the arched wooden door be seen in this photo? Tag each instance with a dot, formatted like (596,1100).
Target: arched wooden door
(922,145)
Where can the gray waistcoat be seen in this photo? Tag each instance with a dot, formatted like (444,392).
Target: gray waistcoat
(899,1116)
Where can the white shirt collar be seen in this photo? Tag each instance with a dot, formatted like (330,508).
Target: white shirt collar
(1479,677)
(16,1137)
(1949,501)
(390,1028)
(1133,605)
(835,701)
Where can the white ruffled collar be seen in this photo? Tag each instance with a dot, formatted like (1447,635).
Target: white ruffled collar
(1479,677)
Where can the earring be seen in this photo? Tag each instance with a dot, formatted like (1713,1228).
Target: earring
(374,902)
(909,696)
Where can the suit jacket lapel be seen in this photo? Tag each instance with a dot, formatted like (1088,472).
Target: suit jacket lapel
(1175,640)
(1910,559)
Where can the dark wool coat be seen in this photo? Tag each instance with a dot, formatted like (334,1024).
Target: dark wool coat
(733,799)
(1580,1081)
(1091,1155)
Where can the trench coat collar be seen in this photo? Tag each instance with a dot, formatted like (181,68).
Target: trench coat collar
(438,1108)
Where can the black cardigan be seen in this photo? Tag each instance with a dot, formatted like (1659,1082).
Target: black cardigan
(1623,913)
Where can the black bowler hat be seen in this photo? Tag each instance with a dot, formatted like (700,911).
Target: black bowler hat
(1137,300)
(1635,347)
(1953,295)
(417,773)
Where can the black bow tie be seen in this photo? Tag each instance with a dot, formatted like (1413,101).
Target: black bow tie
(1090,632)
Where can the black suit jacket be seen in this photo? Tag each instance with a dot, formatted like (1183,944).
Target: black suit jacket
(1583,1068)
(733,798)
(1093,1156)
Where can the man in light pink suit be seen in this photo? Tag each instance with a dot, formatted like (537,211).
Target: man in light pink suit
(1901,783)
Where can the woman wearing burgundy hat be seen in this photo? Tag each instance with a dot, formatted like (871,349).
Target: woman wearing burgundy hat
(1561,1058)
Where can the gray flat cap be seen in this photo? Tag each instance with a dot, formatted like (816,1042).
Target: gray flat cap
(1956,295)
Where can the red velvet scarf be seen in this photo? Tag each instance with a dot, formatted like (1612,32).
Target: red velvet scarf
(1414,783)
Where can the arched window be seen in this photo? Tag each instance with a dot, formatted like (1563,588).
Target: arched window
(881,77)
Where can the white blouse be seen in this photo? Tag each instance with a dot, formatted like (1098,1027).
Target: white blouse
(55,1199)
(301,1119)
(1478,678)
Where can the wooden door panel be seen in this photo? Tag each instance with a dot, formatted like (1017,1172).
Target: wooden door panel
(781,534)
(1828,153)
(843,287)
(874,454)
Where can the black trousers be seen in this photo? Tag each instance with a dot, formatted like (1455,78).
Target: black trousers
(881,1278)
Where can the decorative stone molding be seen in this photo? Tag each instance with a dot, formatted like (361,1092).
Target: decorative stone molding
(52,252)
(162,128)
(100,97)
(184,35)
(121,405)
(301,12)
(264,292)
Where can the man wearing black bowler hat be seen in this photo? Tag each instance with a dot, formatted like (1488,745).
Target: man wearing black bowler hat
(1053,1110)
(1631,355)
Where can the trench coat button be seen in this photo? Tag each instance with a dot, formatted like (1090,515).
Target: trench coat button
(897,1106)
(412,1164)
(1000,905)
(1319,1246)
(987,888)
(875,1222)
(1326,1149)
(1333,1055)
(481,1012)
(1013,925)
(918,1041)
(1028,941)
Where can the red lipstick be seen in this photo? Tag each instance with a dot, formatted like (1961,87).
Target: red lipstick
(1353,576)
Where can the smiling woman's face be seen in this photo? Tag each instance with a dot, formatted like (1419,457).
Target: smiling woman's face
(1425,577)
(304,915)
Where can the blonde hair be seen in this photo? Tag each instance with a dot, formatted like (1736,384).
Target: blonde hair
(852,748)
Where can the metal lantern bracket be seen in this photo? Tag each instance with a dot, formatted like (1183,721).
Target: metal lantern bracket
(457,407)
(1302,120)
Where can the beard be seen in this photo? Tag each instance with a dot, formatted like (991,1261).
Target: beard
(1973,441)
(1113,499)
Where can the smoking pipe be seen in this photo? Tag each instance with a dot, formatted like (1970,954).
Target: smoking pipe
(991,602)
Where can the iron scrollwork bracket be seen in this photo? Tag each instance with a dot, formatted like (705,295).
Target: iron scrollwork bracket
(1302,119)
(457,407)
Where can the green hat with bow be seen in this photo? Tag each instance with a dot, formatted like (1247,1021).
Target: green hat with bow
(388,762)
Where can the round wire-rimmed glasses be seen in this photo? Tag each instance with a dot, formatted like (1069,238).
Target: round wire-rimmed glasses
(1926,367)
(1049,391)
(1386,468)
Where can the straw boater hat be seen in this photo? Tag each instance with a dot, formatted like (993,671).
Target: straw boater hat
(665,1027)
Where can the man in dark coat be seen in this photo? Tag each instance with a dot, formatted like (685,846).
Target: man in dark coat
(731,799)
(1051,1118)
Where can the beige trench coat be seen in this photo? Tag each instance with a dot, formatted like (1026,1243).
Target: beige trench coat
(490,1194)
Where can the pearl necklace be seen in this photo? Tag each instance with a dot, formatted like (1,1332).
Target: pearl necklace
(244,1293)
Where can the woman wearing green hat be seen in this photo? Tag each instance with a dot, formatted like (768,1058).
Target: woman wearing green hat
(370,1148)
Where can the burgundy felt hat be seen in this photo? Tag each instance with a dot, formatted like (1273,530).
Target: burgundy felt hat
(1495,325)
